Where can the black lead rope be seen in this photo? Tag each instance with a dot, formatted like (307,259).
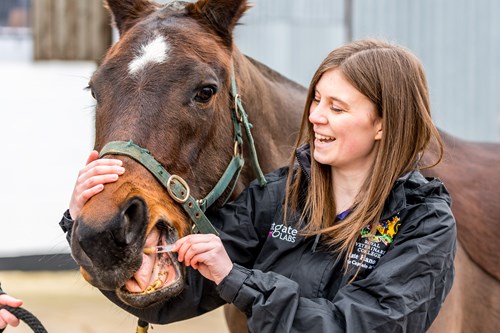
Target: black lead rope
(24,315)
(27,317)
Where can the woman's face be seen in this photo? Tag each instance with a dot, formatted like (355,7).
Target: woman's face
(345,123)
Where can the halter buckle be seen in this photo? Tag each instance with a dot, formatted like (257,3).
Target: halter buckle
(170,185)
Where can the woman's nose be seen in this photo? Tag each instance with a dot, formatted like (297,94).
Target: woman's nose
(316,115)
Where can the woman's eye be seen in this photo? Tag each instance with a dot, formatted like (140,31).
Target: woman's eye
(205,94)
(336,110)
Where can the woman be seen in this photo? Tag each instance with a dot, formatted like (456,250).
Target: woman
(350,237)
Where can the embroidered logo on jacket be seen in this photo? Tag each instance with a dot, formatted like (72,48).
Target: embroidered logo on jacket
(283,232)
(386,230)
(370,253)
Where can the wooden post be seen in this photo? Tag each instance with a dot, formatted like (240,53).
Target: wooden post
(70,29)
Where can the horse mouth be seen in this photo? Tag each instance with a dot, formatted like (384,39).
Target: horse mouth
(160,276)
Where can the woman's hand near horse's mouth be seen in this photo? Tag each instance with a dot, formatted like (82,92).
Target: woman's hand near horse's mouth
(205,253)
(91,180)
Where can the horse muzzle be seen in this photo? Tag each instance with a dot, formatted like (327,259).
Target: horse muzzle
(115,255)
(110,252)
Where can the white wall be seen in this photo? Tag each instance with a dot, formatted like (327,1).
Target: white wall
(292,37)
(458,42)
(46,132)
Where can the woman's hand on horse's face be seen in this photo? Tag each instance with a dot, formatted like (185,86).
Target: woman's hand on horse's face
(205,253)
(91,180)
(7,318)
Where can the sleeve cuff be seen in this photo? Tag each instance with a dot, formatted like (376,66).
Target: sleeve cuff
(229,287)
(66,222)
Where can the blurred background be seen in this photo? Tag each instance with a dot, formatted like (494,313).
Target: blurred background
(49,49)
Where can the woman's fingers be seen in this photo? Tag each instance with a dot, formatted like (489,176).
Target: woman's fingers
(10,301)
(7,318)
(91,180)
(197,250)
(101,167)
(184,246)
(99,175)
(206,254)
(94,155)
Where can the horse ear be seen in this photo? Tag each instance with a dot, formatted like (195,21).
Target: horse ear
(127,12)
(219,15)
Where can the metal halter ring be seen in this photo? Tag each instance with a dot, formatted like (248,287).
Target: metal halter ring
(237,148)
(236,108)
(170,182)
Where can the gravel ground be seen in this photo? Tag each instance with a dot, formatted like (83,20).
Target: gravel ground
(65,303)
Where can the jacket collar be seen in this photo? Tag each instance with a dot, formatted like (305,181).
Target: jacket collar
(303,155)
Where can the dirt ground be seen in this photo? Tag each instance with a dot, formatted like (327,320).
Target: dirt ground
(64,303)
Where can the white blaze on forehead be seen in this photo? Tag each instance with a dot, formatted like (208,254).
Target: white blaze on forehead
(155,51)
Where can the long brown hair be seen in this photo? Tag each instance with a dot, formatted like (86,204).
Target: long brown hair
(394,80)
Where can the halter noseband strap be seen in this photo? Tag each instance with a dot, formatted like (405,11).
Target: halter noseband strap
(175,185)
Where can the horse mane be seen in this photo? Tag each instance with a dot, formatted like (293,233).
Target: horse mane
(274,76)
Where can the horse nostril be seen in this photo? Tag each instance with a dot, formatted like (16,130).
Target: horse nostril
(79,255)
(133,218)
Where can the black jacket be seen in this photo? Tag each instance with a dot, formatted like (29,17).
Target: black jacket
(285,282)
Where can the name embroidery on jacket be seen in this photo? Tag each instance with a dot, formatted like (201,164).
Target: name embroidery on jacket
(372,252)
(283,232)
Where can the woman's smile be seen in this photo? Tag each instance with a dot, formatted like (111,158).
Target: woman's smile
(322,141)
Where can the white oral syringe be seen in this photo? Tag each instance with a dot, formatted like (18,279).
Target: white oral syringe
(158,249)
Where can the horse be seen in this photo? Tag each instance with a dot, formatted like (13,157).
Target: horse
(471,173)
(167,86)
(167,89)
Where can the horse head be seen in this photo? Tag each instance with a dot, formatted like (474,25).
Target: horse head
(164,85)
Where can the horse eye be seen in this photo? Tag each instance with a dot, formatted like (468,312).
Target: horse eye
(205,94)
(92,93)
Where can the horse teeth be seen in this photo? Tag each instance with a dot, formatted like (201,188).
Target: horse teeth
(157,283)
